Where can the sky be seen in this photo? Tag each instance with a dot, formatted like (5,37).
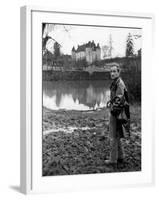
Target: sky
(74,35)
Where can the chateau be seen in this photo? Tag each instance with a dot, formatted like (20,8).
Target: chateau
(89,51)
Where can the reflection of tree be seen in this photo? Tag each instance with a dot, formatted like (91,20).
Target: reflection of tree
(58,98)
(88,93)
(91,97)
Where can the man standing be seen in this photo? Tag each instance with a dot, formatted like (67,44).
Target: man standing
(119,115)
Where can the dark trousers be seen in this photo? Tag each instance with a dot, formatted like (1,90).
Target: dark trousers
(116,133)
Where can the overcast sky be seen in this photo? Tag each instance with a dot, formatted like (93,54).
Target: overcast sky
(69,36)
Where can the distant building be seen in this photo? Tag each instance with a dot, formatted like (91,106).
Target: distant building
(89,51)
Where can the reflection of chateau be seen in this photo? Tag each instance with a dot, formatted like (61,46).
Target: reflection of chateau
(92,95)
(89,51)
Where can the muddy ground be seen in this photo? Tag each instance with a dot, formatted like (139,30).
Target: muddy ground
(77,142)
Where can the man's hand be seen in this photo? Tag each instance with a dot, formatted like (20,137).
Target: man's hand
(108,104)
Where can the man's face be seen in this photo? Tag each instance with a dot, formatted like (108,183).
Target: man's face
(114,73)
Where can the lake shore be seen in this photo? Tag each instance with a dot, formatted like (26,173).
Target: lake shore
(77,142)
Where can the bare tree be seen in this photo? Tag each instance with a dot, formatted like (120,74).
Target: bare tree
(49,28)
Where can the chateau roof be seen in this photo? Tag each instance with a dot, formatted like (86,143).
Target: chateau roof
(87,45)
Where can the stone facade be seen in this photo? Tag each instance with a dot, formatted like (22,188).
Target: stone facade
(89,51)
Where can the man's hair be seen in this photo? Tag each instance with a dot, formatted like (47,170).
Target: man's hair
(116,65)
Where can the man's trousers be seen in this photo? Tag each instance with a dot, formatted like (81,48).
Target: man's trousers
(115,131)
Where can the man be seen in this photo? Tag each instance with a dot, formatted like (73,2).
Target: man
(119,115)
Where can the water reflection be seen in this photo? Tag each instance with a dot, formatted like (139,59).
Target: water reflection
(75,95)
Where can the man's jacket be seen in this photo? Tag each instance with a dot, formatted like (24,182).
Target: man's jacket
(119,104)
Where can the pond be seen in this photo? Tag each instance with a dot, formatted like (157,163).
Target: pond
(76,95)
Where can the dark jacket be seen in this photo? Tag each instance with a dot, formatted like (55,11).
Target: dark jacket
(117,107)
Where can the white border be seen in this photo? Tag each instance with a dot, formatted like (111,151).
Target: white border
(31,140)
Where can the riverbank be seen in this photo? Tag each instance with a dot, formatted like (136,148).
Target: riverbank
(51,75)
(77,142)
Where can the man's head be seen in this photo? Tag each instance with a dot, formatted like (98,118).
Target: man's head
(115,71)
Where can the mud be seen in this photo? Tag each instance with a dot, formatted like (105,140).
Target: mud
(77,142)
